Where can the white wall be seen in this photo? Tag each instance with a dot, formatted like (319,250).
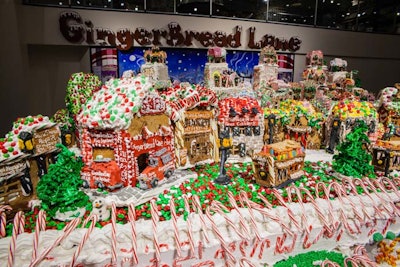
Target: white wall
(37,60)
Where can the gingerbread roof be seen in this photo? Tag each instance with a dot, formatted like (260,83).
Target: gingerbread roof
(239,111)
(9,149)
(115,104)
(187,96)
(389,100)
(353,109)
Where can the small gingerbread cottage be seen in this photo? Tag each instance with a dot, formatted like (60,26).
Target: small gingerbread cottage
(342,118)
(244,120)
(389,111)
(316,71)
(193,112)
(279,163)
(125,133)
(299,121)
(25,153)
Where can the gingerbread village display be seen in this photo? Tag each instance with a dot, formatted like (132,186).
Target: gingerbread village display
(141,133)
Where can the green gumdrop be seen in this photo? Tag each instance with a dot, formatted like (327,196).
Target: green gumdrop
(112,118)
(390,235)
(377,237)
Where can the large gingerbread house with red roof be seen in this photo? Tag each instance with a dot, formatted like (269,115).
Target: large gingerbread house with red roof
(193,111)
(127,138)
(243,117)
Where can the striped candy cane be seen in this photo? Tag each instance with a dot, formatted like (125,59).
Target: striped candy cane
(18,228)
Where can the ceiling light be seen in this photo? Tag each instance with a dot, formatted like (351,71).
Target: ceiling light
(195,9)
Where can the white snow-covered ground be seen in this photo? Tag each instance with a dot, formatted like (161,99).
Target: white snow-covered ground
(317,155)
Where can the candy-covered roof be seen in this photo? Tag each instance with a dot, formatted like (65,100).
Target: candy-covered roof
(79,88)
(9,149)
(115,104)
(233,109)
(187,96)
(353,109)
(389,99)
(289,108)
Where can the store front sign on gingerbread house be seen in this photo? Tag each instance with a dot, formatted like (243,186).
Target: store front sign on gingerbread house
(127,139)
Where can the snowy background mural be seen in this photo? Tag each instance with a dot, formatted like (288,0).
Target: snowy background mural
(187,65)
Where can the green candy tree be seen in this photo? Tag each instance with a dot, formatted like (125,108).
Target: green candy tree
(59,188)
(353,159)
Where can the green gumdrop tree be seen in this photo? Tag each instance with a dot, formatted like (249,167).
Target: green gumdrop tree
(353,159)
(59,188)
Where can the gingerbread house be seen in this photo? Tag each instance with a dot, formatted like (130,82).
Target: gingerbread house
(389,111)
(342,118)
(302,123)
(193,111)
(386,156)
(155,66)
(316,71)
(242,117)
(274,122)
(218,76)
(279,163)
(127,138)
(26,152)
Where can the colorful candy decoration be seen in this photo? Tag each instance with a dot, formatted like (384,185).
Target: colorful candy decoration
(80,87)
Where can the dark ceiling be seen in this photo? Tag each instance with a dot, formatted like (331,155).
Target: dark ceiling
(382,16)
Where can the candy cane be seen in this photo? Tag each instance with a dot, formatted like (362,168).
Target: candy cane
(199,211)
(175,225)
(19,219)
(300,201)
(219,207)
(380,185)
(93,218)
(132,220)
(328,263)
(154,220)
(332,218)
(361,183)
(289,210)
(113,234)
(328,231)
(342,214)
(209,263)
(247,261)
(341,192)
(189,225)
(67,230)
(242,221)
(348,182)
(242,245)
(244,197)
(391,211)
(200,249)
(40,226)
(264,243)
(386,181)
(3,219)
(230,257)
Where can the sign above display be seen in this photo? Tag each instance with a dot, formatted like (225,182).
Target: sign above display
(77,30)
